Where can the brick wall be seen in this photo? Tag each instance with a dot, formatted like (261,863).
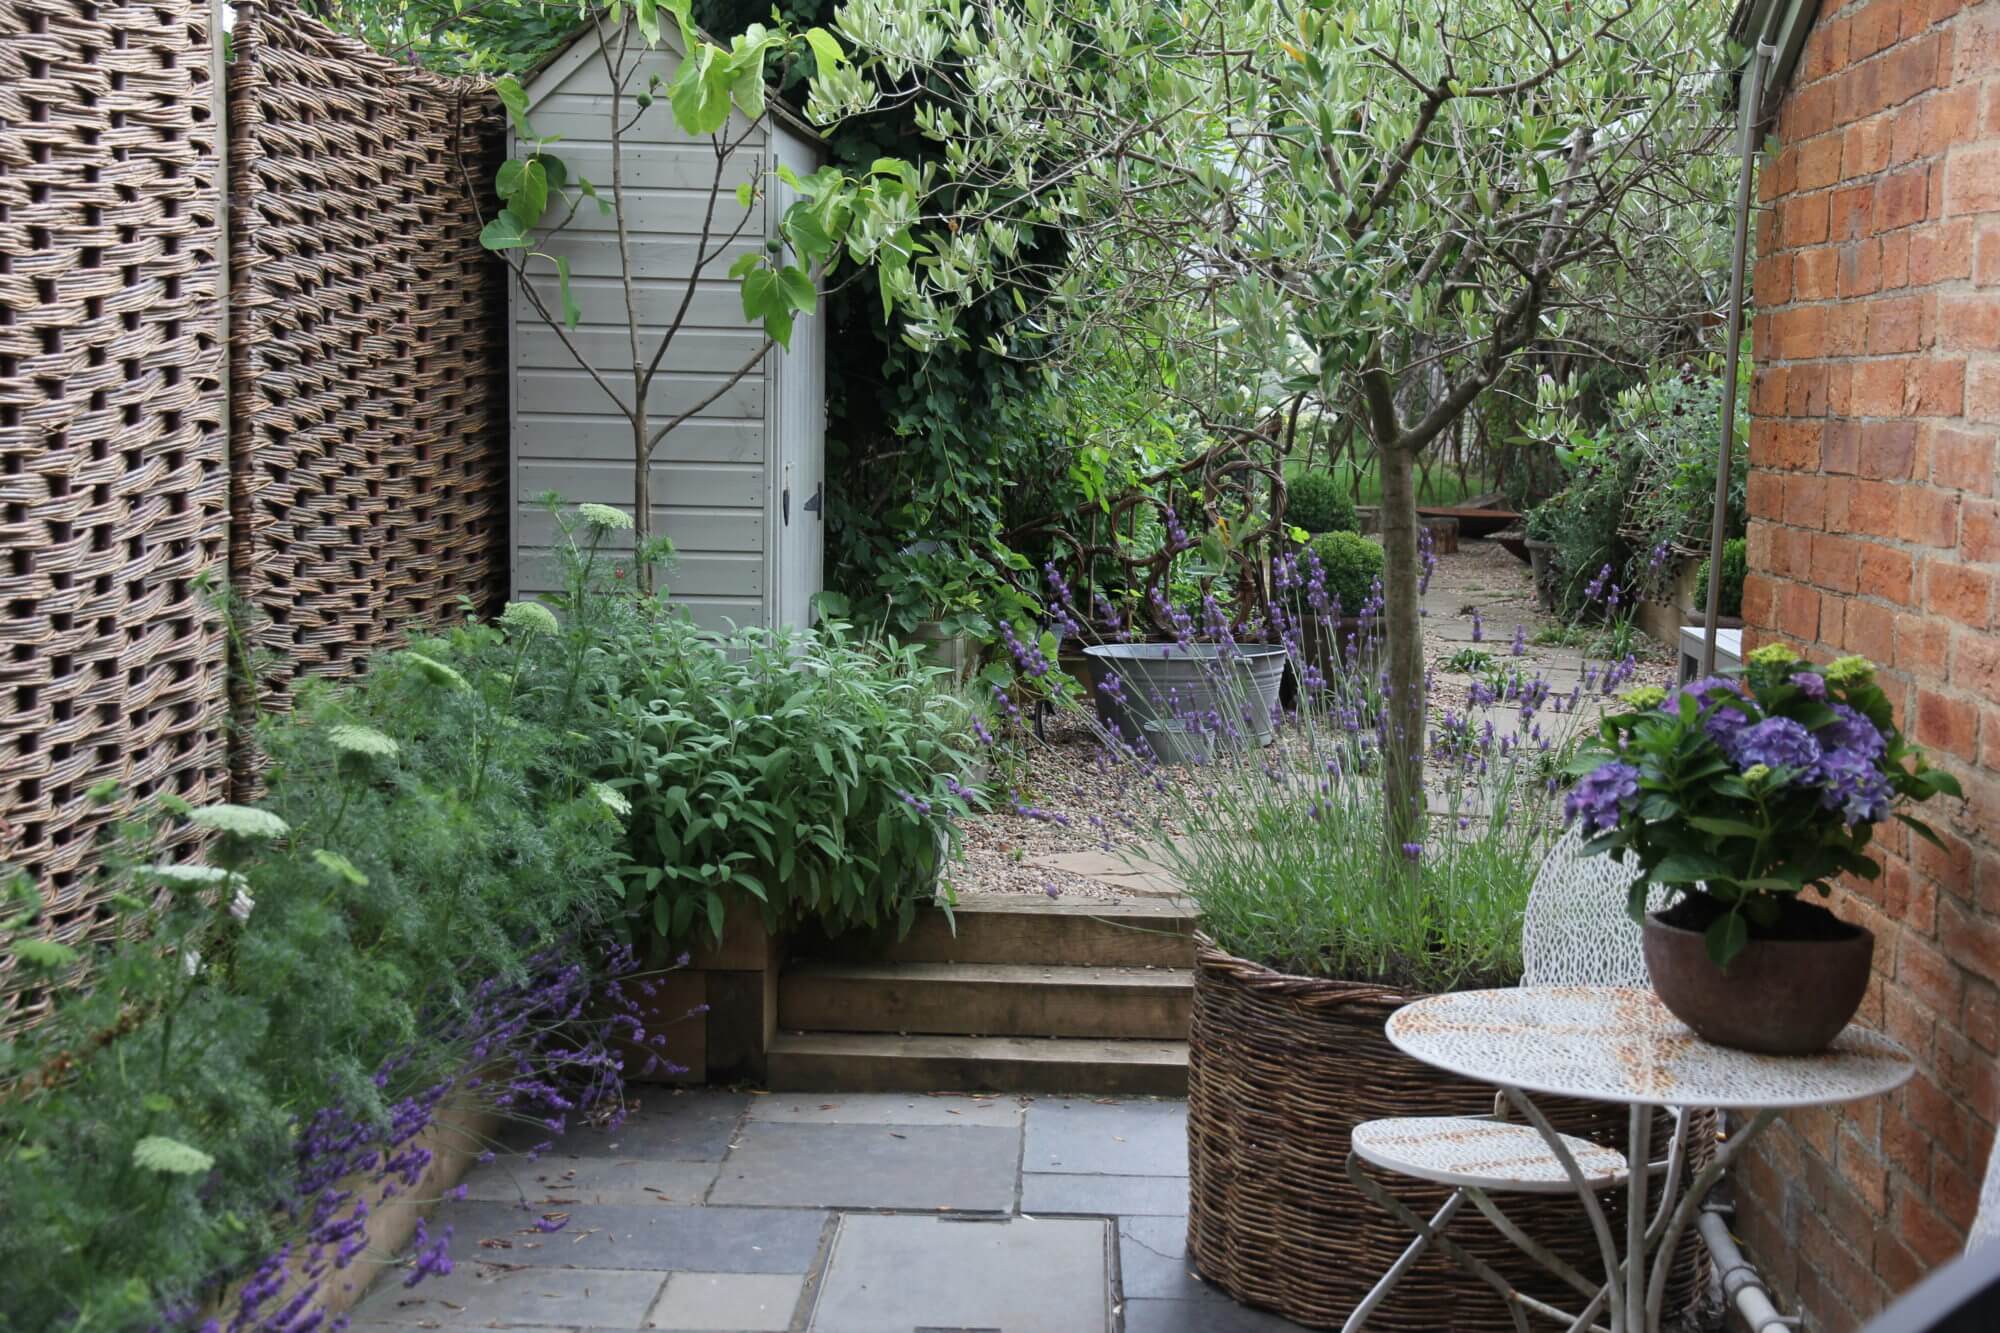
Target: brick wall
(1874,529)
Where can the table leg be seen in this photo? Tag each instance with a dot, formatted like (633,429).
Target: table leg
(1638,1168)
(1607,1247)
(1698,1191)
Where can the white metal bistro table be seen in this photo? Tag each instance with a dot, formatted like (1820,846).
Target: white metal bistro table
(1620,1045)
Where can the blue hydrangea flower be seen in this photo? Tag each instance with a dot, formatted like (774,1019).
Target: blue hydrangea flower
(1601,796)
(1852,731)
(1854,786)
(1723,722)
(1777,742)
(1811,684)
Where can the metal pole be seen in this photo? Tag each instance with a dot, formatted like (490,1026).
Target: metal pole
(1746,171)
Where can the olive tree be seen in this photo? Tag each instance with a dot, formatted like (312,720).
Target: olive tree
(1381,206)
(717,95)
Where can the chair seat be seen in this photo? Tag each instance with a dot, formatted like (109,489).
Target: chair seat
(1483,1153)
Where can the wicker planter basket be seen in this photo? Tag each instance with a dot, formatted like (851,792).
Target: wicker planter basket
(1280,1069)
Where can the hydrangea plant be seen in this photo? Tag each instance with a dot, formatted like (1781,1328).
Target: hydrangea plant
(1750,788)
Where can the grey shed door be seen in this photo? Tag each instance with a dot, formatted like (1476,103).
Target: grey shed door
(798,528)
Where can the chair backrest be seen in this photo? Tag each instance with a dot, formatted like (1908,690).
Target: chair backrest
(1575,931)
(1986,1222)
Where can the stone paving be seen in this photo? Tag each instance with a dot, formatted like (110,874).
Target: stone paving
(843,1213)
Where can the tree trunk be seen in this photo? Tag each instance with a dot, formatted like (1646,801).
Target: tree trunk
(642,497)
(1403,702)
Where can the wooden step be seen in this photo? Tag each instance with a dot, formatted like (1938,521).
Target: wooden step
(987,999)
(867,1062)
(1028,928)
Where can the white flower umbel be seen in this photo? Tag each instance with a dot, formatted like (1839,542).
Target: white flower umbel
(529,618)
(613,799)
(604,518)
(350,738)
(436,672)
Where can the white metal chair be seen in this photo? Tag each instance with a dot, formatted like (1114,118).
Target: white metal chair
(1574,931)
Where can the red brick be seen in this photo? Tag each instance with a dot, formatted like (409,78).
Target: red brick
(1888,450)
(1798,612)
(1879,387)
(1962,460)
(1759,598)
(1874,28)
(1803,220)
(1835,562)
(1805,392)
(1959,591)
(1860,268)
(1932,1239)
(1902,199)
(1819,162)
(1982,1026)
(1922,644)
(1894,325)
(1979,531)
(1885,573)
(1906,1021)
(1805,501)
(1975,664)
(1874,508)
(1864,147)
(1926,974)
(1895,260)
(1815,273)
(1870,631)
(1764,494)
(1949,723)
(1972,180)
(1771,280)
(1851,214)
(1937,388)
(1927,517)
(1969,322)
(1940,252)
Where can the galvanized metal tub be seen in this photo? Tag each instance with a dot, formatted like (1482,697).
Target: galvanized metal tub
(1171,682)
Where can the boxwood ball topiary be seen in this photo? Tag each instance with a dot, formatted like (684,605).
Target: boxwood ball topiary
(1350,564)
(1318,503)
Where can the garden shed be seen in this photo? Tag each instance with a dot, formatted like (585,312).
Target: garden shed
(739,486)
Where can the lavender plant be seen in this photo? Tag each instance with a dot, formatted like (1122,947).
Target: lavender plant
(408,918)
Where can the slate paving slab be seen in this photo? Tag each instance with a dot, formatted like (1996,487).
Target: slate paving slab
(1153,1262)
(1202,1317)
(883,1108)
(1129,1138)
(668,1127)
(962,1167)
(1104,1196)
(484,1294)
(1013,1275)
(729,1302)
(618,1236)
(558,1181)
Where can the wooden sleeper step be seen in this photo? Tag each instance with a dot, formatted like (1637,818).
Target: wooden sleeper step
(988,999)
(874,1062)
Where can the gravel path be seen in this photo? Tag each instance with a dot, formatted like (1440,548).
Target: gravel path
(1096,811)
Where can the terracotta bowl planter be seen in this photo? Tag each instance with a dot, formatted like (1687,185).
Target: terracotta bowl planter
(1777,997)
(1280,1070)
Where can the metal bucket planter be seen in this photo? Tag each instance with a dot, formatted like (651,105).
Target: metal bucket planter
(1280,1070)
(1171,682)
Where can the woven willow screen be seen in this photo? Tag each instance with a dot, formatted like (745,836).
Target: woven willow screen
(113,471)
(367,345)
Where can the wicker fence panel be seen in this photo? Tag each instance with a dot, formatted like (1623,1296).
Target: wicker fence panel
(113,465)
(369,467)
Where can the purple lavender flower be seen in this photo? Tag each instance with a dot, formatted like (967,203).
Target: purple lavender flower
(1478,627)
(1519,647)
(1776,742)
(1601,796)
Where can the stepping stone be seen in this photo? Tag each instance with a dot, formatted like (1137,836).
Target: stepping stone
(1016,1275)
(1104,1196)
(863,1108)
(1137,877)
(560,1181)
(675,1127)
(731,1302)
(476,1294)
(1135,1138)
(616,1236)
(1153,1262)
(962,1167)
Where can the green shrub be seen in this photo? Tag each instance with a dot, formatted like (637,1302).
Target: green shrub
(437,837)
(1350,564)
(1317,502)
(1735,566)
